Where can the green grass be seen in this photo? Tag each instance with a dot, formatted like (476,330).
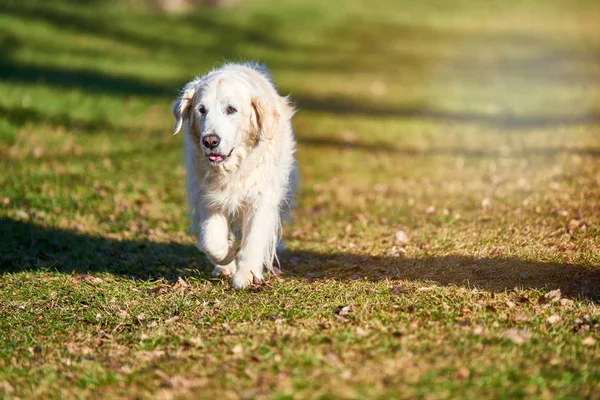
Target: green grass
(473,127)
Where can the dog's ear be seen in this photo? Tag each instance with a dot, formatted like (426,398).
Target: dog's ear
(182,105)
(265,119)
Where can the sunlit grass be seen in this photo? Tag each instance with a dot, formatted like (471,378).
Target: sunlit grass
(474,128)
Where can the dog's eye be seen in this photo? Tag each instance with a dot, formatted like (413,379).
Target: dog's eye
(231,110)
(202,110)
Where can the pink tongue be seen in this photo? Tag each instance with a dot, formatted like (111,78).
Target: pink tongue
(215,157)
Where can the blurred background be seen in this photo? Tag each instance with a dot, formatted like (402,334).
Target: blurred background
(411,113)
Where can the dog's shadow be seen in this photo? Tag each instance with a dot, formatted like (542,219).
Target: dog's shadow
(25,246)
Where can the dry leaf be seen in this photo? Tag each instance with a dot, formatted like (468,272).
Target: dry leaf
(342,310)
(20,214)
(360,332)
(347,374)
(161,289)
(517,336)
(553,319)
(588,341)
(148,356)
(88,278)
(194,342)
(176,382)
(520,317)
(181,284)
(398,290)
(401,237)
(396,251)
(575,224)
(237,349)
(566,302)
(553,296)
(462,373)
(332,360)
(478,330)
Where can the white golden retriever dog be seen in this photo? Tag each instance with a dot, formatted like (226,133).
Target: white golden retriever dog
(241,174)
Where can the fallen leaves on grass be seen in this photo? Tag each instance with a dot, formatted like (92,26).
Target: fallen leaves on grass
(341,312)
(8,388)
(401,237)
(576,224)
(566,302)
(237,349)
(194,342)
(462,373)
(479,330)
(332,360)
(521,317)
(177,382)
(396,251)
(517,336)
(181,284)
(148,356)
(361,332)
(87,278)
(553,319)
(160,289)
(398,290)
(553,296)
(589,341)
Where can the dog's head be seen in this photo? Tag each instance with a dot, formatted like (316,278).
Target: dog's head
(228,113)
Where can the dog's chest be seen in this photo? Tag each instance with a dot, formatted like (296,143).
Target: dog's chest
(234,191)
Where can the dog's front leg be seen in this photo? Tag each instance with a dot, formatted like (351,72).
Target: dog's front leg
(217,243)
(258,243)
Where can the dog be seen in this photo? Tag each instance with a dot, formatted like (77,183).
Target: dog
(240,165)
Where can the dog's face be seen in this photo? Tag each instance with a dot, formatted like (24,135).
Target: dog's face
(225,116)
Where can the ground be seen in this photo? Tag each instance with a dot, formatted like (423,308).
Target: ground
(446,241)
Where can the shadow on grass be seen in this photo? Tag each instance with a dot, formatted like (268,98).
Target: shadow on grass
(20,116)
(28,247)
(347,107)
(25,246)
(333,143)
(91,81)
(205,22)
(221,39)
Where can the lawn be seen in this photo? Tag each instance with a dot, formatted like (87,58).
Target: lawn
(446,241)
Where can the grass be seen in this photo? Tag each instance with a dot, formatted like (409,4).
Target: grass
(473,128)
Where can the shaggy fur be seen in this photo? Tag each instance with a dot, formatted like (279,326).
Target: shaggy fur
(240,190)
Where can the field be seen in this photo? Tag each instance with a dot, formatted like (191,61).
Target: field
(446,240)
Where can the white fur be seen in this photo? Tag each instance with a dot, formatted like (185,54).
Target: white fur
(244,198)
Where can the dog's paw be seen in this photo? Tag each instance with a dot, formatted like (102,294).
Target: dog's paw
(242,279)
(225,271)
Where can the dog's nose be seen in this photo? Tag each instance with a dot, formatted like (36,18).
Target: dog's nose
(211,141)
